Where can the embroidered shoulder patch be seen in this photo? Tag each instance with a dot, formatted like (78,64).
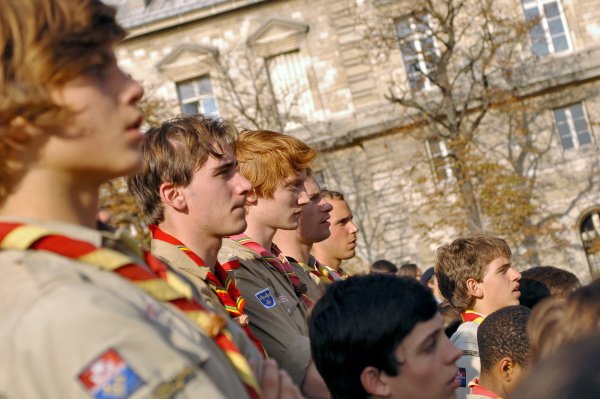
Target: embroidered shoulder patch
(109,377)
(462,377)
(266,298)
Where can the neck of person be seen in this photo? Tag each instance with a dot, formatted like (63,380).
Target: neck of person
(260,233)
(489,382)
(205,245)
(289,243)
(482,308)
(54,196)
(326,260)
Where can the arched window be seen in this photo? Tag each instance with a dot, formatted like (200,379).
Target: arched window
(589,230)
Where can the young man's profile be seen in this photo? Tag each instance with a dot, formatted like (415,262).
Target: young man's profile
(380,336)
(476,276)
(84,313)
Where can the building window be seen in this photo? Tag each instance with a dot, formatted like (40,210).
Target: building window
(572,126)
(196,96)
(289,81)
(441,159)
(589,230)
(549,34)
(418,48)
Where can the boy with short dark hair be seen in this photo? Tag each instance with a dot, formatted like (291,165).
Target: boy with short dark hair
(504,353)
(475,275)
(541,282)
(341,243)
(381,336)
(383,266)
(296,244)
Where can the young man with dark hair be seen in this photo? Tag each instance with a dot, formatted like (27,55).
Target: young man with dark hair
(504,353)
(380,336)
(341,244)
(541,282)
(475,275)
(296,244)
(84,313)
(277,300)
(383,266)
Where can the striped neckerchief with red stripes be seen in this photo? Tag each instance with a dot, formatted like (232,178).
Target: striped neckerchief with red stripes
(153,277)
(219,281)
(469,315)
(279,262)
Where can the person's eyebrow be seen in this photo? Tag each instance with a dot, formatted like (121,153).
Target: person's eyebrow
(427,340)
(502,269)
(224,167)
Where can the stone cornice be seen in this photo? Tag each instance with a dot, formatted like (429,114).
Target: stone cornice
(141,26)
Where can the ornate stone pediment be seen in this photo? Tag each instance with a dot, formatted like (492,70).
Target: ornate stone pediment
(277,36)
(187,61)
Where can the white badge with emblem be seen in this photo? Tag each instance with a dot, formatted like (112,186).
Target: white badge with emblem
(266,298)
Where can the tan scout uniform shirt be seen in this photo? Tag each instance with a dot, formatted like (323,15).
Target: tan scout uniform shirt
(61,319)
(282,326)
(315,290)
(175,258)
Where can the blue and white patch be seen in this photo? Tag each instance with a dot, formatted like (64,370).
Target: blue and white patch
(462,377)
(266,298)
(109,377)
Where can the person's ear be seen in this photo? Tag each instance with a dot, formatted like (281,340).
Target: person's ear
(172,196)
(372,382)
(507,369)
(21,132)
(251,197)
(474,288)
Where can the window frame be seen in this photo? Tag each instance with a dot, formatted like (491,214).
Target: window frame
(574,135)
(198,96)
(544,24)
(415,39)
(303,93)
(440,161)
(591,238)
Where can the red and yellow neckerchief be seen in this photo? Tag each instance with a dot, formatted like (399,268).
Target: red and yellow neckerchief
(153,277)
(469,315)
(219,281)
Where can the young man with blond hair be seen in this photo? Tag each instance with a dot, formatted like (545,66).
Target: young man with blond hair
(83,313)
(341,244)
(277,301)
(475,275)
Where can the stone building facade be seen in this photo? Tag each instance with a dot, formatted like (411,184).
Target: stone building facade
(315,69)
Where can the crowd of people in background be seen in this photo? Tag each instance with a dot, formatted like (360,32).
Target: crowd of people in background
(243,291)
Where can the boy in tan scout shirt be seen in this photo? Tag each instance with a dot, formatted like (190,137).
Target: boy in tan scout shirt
(341,243)
(296,244)
(82,313)
(475,275)
(192,194)
(277,302)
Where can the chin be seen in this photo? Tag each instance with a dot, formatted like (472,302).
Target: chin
(239,229)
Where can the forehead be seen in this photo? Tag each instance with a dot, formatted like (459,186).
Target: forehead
(419,333)
(311,185)
(294,177)
(497,263)
(339,206)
